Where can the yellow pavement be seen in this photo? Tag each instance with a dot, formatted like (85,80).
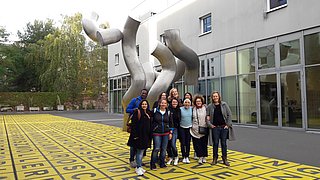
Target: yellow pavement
(52,147)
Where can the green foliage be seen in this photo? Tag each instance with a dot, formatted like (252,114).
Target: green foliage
(28,99)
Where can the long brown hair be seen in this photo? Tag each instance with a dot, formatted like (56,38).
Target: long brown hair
(214,92)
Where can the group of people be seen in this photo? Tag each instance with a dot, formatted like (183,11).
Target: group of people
(172,118)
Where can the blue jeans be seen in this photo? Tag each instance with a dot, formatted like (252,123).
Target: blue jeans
(159,145)
(220,134)
(172,147)
(139,155)
(132,153)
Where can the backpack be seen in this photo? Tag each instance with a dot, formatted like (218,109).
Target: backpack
(129,120)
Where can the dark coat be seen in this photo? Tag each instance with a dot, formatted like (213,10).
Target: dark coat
(161,123)
(140,136)
(176,116)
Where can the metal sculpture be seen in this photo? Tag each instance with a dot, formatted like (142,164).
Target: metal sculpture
(172,69)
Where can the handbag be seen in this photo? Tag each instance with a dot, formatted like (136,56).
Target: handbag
(201,129)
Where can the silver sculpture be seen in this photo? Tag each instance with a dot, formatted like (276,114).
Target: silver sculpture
(187,63)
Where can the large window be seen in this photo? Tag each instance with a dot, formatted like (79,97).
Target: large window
(313,94)
(229,64)
(205,24)
(312,48)
(228,93)
(266,57)
(213,66)
(246,62)
(276,4)
(290,53)
(213,85)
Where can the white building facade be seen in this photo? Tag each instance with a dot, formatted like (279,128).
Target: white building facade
(263,56)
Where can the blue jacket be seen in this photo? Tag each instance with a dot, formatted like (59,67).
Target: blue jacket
(134,103)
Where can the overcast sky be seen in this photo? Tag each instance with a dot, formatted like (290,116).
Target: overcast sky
(15,14)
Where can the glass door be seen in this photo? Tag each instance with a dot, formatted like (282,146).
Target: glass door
(268,99)
(291,104)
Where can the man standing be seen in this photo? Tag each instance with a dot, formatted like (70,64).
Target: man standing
(134,104)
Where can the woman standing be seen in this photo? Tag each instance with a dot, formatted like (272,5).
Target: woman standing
(200,141)
(163,95)
(184,130)
(219,120)
(173,93)
(161,133)
(176,117)
(140,136)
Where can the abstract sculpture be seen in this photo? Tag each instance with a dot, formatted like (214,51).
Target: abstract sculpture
(172,69)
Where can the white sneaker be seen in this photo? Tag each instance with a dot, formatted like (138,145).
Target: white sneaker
(176,161)
(184,160)
(200,160)
(139,171)
(187,160)
(143,170)
(169,162)
(204,160)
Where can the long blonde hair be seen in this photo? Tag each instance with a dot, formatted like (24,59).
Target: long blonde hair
(170,94)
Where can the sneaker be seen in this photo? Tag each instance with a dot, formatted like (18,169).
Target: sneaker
(200,160)
(176,161)
(184,160)
(204,159)
(143,170)
(195,156)
(169,162)
(133,164)
(187,160)
(139,171)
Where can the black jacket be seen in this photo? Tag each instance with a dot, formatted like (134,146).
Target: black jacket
(176,116)
(140,136)
(161,123)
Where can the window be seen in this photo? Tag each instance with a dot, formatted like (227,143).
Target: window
(312,49)
(202,68)
(229,64)
(205,24)
(276,4)
(116,59)
(266,57)
(290,53)
(246,62)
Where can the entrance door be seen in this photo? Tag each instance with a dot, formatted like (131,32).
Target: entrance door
(291,103)
(280,99)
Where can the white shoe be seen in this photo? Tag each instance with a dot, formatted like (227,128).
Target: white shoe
(200,160)
(139,171)
(204,159)
(187,160)
(169,162)
(184,160)
(143,170)
(176,161)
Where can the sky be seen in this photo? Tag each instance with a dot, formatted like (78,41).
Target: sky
(15,14)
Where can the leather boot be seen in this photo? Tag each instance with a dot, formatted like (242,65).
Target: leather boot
(225,160)
(214,161)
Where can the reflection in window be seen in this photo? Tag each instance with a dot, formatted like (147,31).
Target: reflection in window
(291,99)
(246,62)
(202,69)
(247,99)
(201,88)
(228,93)
(213,67)
(266,57)
(229,64)
(290,53)
(313,94)
(213,85)
(312,48)
(268,99)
